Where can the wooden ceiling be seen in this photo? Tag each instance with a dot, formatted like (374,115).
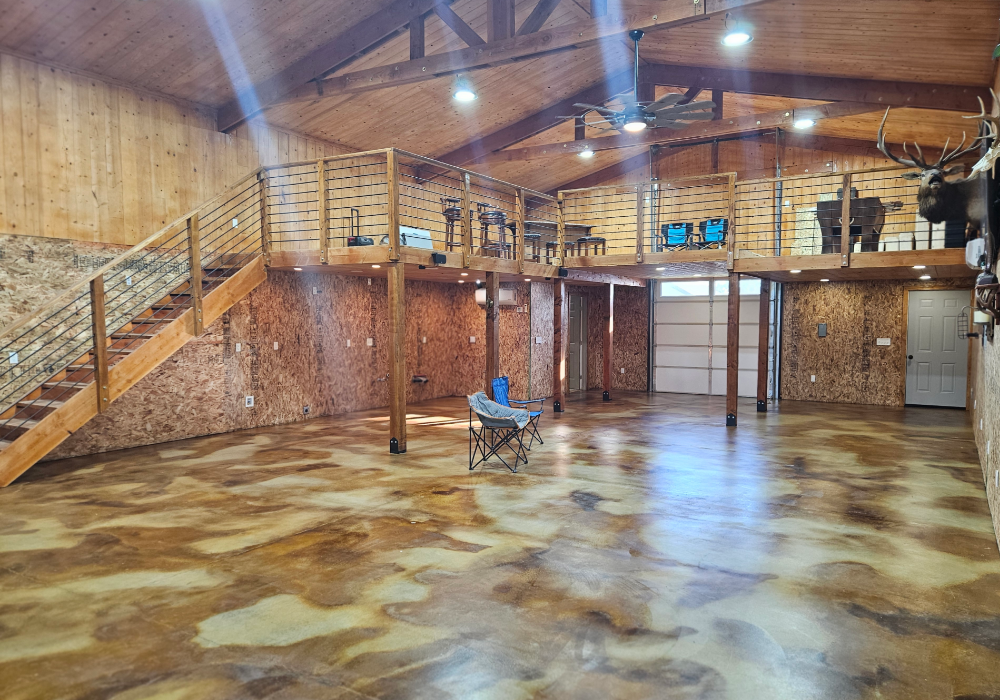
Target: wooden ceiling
(197,50)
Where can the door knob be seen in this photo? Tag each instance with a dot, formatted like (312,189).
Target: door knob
(909,357)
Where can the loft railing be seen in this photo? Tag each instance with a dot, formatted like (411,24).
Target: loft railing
(50,354)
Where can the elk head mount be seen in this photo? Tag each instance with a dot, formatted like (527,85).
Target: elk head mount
(939,199)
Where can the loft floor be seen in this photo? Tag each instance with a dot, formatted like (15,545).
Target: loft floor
(820,551)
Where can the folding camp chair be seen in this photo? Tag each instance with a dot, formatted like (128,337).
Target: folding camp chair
(499,426)
(501,387)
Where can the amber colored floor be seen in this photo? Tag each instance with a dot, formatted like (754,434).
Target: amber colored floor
(646,551)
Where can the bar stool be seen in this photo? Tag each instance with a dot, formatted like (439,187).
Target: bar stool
(551,246)
(535,241)
(584,242)
(452,212)
(490,215)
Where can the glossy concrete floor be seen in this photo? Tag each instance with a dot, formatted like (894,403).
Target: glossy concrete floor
(820,551)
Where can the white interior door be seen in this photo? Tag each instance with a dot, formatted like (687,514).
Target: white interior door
(577,378)
(937,360)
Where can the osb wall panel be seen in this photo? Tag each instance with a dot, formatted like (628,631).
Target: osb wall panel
(542,314)
(849,366)
(515,338)
(986,419)
(88,160)
(631,342)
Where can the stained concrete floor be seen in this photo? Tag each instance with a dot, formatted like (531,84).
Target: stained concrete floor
(646,551)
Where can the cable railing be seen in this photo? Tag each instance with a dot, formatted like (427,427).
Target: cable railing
(51,354)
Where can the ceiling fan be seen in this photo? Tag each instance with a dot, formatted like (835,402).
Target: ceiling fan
(636,116)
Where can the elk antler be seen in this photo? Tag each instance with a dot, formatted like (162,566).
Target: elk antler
(913,161)
(991,124)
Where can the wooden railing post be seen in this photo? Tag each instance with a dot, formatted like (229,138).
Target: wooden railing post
(323,210)
(640,197)
(733,349)
(519,218)
(194,252)
(265,219)
(397,358)
(392,194)
(731,225)
(845,223)
(560,229)
(100,342)
(466,220)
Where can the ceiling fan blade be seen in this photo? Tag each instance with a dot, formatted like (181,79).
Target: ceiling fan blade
(671,124)
(595,108)
(696,116)
(690,107)
(665,101)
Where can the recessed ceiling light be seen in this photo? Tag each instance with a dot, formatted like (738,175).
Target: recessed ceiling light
(527,279)
(465,274)
(586,153)
(804,123)
(297,269)
(824,280)
(477,281)
(376,266)
(461,281)
(660,269)
(697,275)
(736,38)
(464,95)
(919,267)
(795,272)
(925,277)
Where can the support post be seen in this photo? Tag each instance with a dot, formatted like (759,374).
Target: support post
(265,218)
(579,129)
(417,37)
(100,342)
(194,252)
(845,223)
(466,220)
(733,348)
(560,229)
(609,340)
(560,337)
(764,322)
(598,8)
(392,194)
(397,360)
(640,211)
(519,218)
(499,20)
(492,330)
(323,209)
(731,225)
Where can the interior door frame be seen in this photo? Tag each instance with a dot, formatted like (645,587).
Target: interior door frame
(906,337)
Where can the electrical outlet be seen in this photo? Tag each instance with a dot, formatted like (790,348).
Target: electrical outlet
(424,339)
(472,338)
(239,347)
(275,346)
(236,222)
(248,401)
(128,281)
(812,377)
(623,370)
(315,290)
(883,341)
(348,342)
(12,357)
(996,479)
(369,281)
(538,340)
(305,410)
(371,342)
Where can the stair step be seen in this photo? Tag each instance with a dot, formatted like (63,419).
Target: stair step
(66,385)
(131,334)
(4,444)
(24,424)
(41,403)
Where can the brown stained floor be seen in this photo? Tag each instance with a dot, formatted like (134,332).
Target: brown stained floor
(646,551)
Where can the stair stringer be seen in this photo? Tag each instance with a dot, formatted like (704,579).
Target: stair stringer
(26,450)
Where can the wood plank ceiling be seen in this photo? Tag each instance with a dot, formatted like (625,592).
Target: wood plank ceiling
(197,50)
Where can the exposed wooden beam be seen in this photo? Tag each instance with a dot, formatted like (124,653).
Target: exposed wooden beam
(579,129)
(457,25)
(370,31)
(560,340)
(690,94)
(813,87)
(499,20)
(695,133)
(598,8)
(733,349)
(540,121)
(672,13)
(538,17)
(417,48)
(398,381)
(492,336)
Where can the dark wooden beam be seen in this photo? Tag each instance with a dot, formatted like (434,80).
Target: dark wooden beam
(579,129)
(733,349)
(567,37)
(763,326)
(598,8)
(609,339)
(458,25)
(417,38)
(499,20)
(398,381)
(383,24)
(540,121)
(560,340)
(690,94)
(886,93)
(492,330)
(538,17)
(717,97)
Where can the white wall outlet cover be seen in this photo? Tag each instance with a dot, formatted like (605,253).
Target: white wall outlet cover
(239,347)
(623,370)
(12,358)
(980,423)
(472,338)
(538,340)
(883,341)
(275,346)
(348,342)
(236,222)
(424,339)
(128,281)
(996,479)
(987,448)
(371,342)
(248,401)
(369,281)
(315,290)
(812,377)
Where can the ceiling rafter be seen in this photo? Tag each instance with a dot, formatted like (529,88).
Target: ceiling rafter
(539,16)
(458,25)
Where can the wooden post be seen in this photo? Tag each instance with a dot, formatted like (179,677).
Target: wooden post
(560,338)
(640,210)
(764,322)
(397,360)
(265,219)
(417,37)
(100,342)
(323,210)
(392,205)
(519,218)
(194,252)
(845,223)
(598,8)
(609,340)
(733,349)
(731,225)
(492,330)
(466,220)
(560,229)
(499,20)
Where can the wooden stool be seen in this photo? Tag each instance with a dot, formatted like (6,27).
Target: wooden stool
(551,245)
(489,215)
(583,244)
(535,241)
(452,212)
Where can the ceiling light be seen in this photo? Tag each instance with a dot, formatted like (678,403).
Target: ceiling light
(586,153)
(376,266)
(660,269)
(919,267)
(697,275)
(795,272)
(736,38)
(465,274)
(297,269)
(464,95)
(804,123)
(635,124)
(824,280)
(527,279)
(925,277)
(461,281)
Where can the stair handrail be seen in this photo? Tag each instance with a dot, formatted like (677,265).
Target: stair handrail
(25,318)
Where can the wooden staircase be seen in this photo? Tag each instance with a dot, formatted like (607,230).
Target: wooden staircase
(63,364)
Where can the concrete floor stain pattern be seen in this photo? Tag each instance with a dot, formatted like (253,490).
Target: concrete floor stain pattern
(645,551)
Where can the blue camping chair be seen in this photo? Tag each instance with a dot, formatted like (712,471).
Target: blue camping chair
(501,388)
(677,235)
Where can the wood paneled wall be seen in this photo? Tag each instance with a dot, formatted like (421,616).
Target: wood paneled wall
(93,161)
(849,366)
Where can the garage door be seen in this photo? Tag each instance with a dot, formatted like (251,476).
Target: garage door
(690,336)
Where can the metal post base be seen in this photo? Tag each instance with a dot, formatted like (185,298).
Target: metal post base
(557,407)
(607,395)
(394,447)
(730,420)
(762,407)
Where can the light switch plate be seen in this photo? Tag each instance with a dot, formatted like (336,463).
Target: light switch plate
(248,401)
(371,342)
(821,330)
(812,377)
(315,290)
(275,346)
(538,340)
(239,347)
(348,342)
(472,338)
(883,341)
(424,339)
(623,370)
